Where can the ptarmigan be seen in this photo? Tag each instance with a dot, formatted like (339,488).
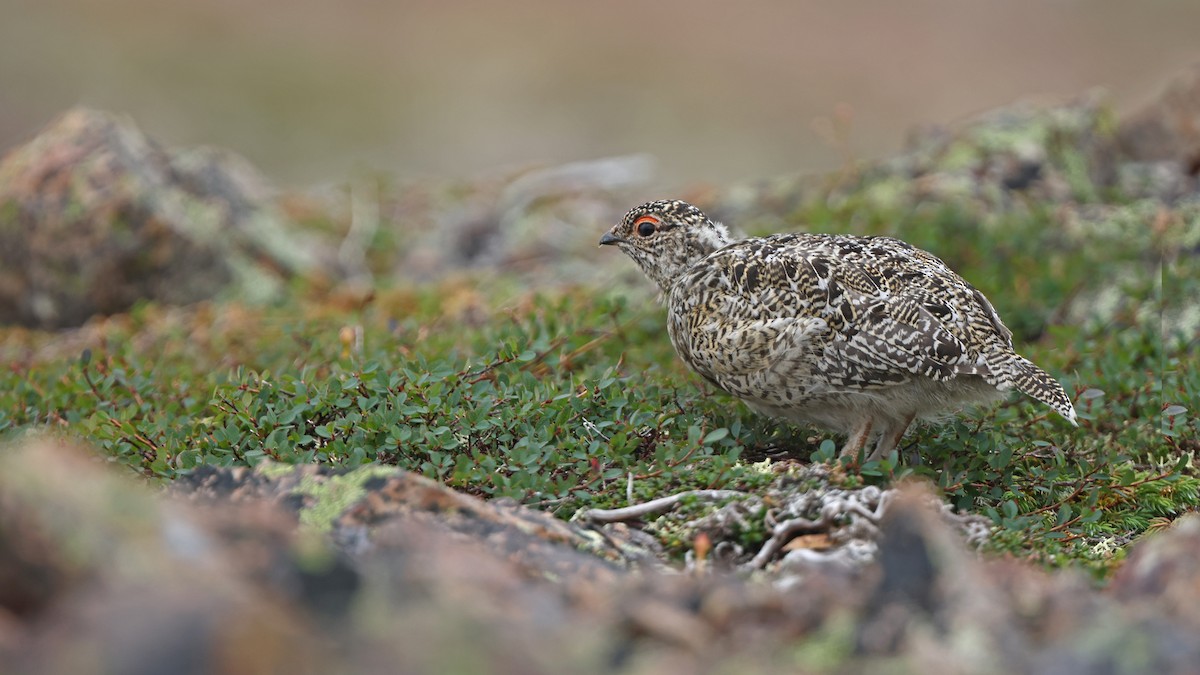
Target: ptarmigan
(860,335)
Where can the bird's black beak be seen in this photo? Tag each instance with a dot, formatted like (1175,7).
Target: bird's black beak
(609,238)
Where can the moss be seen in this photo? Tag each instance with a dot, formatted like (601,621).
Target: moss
(830,648)
(332,495)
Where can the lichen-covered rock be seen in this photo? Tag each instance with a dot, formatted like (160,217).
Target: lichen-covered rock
(1048,154)
(355,509)
(95,216)
(1020,158)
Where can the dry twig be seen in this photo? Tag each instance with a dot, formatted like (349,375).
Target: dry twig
(656,506)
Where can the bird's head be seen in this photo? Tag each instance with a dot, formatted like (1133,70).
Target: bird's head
(665,238)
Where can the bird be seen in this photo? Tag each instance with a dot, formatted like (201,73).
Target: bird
(860,335)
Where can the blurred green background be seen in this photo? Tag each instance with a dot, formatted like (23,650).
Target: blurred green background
(716,90)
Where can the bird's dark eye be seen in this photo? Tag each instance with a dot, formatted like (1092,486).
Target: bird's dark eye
(645,227)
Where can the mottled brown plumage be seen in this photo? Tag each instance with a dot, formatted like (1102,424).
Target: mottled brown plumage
(861,335)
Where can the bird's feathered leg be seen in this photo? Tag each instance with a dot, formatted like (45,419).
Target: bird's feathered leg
(889,438)
(858,438)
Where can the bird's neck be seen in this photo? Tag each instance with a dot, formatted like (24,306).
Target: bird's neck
(696,247)
(706,240)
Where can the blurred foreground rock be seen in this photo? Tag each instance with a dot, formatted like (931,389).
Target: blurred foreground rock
(95,216)
(301,570)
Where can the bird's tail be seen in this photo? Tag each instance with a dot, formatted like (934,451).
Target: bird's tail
(1035,382)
